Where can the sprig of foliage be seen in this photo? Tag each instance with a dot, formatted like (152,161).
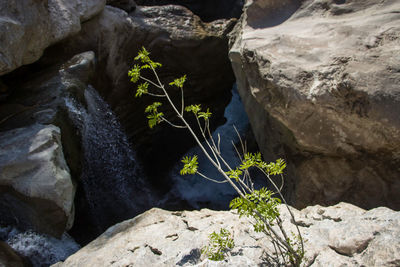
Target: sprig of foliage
(155,116)
(259,202)
(219,244)
(179,81)
(193,108)
(143,56)
(143,88)
(190,165)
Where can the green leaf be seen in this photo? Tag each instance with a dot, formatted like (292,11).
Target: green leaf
(190,165)
(206,115)
(154,119)
(153,107)
(142,89)
(143,56)
(134,73)
(193,108)
(179,81)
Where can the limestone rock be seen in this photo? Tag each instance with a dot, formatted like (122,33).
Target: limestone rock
(27,27)
(320,81)
(348,235)
(36,187)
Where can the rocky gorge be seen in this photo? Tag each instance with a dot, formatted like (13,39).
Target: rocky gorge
(318,79)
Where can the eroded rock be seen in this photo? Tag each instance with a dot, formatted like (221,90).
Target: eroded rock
(326,95)
(36,187)
(27,27)
(357,238)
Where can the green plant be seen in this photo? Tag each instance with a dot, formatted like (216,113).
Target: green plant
(219,244)
(260,205)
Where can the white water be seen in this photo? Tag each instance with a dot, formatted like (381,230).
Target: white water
(42,250)
(198,191)
(113,187)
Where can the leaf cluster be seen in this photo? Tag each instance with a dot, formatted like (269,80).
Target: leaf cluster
(219,244)
(155,116)
(259,204)
(190,165)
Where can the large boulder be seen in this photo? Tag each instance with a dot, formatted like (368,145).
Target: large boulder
(341,235)
(27,27)
(36,190)
(320,81)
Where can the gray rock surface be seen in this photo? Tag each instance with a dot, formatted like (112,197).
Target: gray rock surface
(35,184)
(36,189)
(341,235)
(320,81)
(27,27)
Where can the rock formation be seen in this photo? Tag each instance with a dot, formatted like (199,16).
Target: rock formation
(335,236)
(320,81)
(37,191)
(207,10)
(27,27)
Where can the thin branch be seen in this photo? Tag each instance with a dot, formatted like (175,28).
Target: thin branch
(173,125)
(213,180)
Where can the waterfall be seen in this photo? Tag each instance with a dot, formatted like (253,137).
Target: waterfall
(113,186)
(41,249)
(199,192)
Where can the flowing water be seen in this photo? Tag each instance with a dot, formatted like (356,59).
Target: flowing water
(42,250)
(113,186)
(199,192)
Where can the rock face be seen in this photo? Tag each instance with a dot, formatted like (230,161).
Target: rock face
(207,10)
(27,27)
(36,187)
(36,160)
(326,95)
(335,236)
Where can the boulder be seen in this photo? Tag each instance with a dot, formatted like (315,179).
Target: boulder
(8,257)
(35,184)
(342,234)
(27,27)
(320,81)
(40,146)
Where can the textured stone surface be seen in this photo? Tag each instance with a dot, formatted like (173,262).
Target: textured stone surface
(27,27)
(35,153)
(33,165)
(342,234)
(207,10)
(325,95)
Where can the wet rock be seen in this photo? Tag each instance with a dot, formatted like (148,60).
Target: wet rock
(325,96)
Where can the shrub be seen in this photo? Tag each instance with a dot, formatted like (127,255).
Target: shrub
(258,204)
